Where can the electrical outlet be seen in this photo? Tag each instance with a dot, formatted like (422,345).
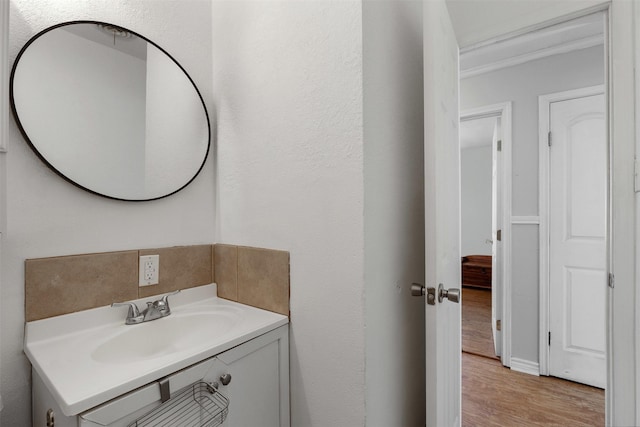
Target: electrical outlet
(149,270)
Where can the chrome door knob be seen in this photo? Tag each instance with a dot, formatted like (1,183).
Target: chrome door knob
(452,294)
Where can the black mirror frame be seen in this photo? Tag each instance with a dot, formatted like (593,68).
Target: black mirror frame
(53,168)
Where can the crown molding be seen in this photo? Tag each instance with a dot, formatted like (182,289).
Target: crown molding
(531,56)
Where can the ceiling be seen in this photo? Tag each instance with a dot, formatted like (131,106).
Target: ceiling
(476,21)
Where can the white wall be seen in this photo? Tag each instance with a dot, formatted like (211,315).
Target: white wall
(288,86)
(47,216)
(320,137)
(522,85)
(475,200)
(394,212)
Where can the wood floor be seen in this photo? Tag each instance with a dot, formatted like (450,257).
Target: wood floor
(477,337)
(493,395)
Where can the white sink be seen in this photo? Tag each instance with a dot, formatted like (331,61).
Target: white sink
(89,357)
(164,336)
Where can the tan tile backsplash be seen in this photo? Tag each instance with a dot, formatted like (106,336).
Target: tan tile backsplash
(60,285)
(63,285)
(263,279)
(226,271)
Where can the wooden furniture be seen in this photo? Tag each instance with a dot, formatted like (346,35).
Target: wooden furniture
(476,271)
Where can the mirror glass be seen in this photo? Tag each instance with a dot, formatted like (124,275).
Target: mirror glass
(110,111)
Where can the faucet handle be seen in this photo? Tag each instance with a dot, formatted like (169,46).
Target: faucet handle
(133,315)
(163,303)
(166,297)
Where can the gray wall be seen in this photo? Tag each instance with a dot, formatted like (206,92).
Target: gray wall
(475,200)
(394,212)
(522,85)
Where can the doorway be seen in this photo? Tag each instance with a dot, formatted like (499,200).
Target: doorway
(476,234)
(485,165)
(521,77)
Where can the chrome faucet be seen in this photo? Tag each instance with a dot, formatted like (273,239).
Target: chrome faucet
(155,310)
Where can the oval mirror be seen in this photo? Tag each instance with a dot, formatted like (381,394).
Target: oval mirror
(110,111)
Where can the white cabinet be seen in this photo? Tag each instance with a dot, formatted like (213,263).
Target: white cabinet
(256,374)
(257,392)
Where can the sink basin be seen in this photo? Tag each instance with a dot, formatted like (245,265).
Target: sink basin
(167,335)
(90,357)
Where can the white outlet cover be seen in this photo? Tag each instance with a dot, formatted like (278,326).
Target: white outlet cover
(149,269)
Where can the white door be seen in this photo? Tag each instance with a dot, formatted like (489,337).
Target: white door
(577,240)
(496,239)
(442,215)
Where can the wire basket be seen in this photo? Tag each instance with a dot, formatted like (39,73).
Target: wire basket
(198,405)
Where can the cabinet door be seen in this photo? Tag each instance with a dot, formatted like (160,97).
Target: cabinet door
(258,389)
(44,406)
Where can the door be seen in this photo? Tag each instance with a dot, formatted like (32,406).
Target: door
(577,239)
(496,239)
(442,215)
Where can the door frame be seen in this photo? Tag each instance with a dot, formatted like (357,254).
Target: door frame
(4,122)
(504,112)
(622,28)
(544,104)
(4,74)
(636,39)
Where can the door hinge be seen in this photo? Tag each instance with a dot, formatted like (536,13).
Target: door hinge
(498,325)
(499,235)
(549,138)
(549,338)
(499,144)
(50,418)
(612,281)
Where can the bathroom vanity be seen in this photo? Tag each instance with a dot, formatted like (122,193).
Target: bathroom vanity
(113,113)
(211,362)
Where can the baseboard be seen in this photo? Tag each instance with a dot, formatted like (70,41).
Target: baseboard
(525,366)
